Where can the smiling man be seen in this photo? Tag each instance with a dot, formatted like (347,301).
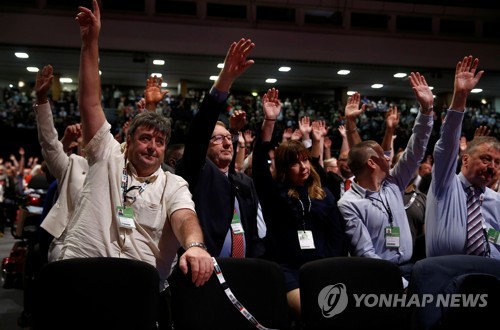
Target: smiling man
(462,213)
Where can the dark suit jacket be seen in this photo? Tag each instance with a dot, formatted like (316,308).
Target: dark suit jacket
(213,192)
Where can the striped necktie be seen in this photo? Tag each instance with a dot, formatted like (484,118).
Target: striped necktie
(476,241)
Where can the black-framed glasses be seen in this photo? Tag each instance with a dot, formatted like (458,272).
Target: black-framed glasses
(217,139)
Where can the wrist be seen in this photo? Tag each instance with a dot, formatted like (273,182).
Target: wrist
(269,119)
(349,130)
(426,110)
(41,100)
(196,244)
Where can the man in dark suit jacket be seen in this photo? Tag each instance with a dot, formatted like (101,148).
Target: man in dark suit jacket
(217,189)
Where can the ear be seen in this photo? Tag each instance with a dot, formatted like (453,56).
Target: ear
(465,160)
(371,163)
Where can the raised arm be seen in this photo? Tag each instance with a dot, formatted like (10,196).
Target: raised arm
(345,145)
(352,112)
(445,164)
(89,85)
(391,123)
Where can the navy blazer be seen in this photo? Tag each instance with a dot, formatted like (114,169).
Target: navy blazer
(213,192)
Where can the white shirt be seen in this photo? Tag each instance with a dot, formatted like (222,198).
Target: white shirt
(94,229)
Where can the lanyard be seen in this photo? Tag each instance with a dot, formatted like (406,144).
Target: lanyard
(412,199)
(304,211)
(387,208)
(125,189)
(234,300)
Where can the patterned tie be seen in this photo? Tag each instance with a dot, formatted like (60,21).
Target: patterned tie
(237,248)
(476,242)
(347,184)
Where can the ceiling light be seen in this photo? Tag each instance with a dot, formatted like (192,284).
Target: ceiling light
(434,96)
(220,65)
(21,55)
(32,69)
(271,80)
(483,101)
(284,69)
(164,84)
(158,75)
(158,62)
(255,94)
(66,80)
(20,84)
(10,85)
(476,90)
(100,72)
(343,72)
(400,75)
(214,77)
(377,86)
(431,87)
(350,93)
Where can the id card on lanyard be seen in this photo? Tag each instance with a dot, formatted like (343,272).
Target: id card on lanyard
(392,237)
(125,217)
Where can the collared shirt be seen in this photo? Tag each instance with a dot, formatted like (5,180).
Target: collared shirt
(367,213)
(446,208)
(94,229)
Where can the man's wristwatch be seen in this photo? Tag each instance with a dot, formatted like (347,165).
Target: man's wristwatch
(196,244)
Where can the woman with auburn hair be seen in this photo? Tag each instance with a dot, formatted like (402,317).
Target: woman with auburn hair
(303,221)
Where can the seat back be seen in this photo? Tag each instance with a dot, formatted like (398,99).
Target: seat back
(97,293)
(445,275)
(331,291)
(483,292)
(256,283)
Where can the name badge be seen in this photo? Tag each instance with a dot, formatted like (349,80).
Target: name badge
(236,226)
(125,217)
(494,236)
(306,239)
(392,237)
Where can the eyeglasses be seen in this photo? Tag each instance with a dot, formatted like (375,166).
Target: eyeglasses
(217,139)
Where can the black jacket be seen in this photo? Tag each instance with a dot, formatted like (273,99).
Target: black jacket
(213,192)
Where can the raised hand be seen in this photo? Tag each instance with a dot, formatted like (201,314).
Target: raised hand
(296,135)
(392,117)
(237,120)
(248,136)
(352,110)
(43,82)
(271,104)
(327,142)
(342,131)
(153,93)
(235,63)
(463,144)
(90,22)
(141,105)
(482,131)
(287,134)
(422,91)
(305,126)
(465,75)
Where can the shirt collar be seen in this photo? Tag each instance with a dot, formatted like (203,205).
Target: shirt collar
(151,178)
(466,184)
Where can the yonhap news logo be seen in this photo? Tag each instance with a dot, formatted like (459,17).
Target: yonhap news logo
(333,300)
